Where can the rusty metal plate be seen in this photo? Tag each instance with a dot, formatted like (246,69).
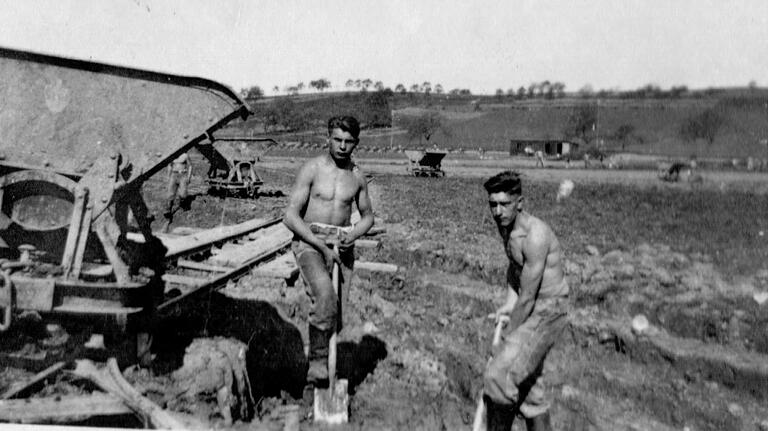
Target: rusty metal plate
(33,293)
(67,115)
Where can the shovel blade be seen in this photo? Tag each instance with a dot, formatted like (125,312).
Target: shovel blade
(331,406)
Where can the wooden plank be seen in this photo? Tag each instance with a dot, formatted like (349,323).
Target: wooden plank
(184,279)
(235,254)
(178,245)
(61,409)
(20,388)
(111,380)
(281,267)
(223,279)
(376,266)
(190,264)
(367,243)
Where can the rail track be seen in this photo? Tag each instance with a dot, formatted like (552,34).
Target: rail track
(197,262)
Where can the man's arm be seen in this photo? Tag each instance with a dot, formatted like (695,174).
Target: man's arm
(365,209)
(535,250)
(297,201)
(189,169)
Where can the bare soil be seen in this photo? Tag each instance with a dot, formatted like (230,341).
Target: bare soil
(415,342)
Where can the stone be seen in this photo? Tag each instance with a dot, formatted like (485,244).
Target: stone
(763,426)
(592,250)
(760,297)
(640,324)
(735,410)
(613,257)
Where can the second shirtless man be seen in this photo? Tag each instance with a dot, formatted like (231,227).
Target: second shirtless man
(319,210)
(536,306)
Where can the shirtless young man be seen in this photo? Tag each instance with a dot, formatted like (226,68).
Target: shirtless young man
(319,210)
(536,307)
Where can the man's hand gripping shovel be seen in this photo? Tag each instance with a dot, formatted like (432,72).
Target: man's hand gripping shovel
(331,406)
(481,413)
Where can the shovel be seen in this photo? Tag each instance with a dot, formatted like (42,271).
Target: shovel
(331,406)
(481,413)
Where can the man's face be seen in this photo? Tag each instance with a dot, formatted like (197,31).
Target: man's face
(341,144)
(504,207)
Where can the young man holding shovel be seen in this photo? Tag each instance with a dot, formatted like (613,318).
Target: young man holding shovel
(318,213)
(536,307)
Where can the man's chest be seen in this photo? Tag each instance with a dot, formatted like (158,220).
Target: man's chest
(514,250)
(335,186)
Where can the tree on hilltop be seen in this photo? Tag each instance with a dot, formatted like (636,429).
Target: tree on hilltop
(321,84)
(704,125)
(350,83)
(424,125)
(582,123)
(366,83)
(252,93)
(438,89)
(400,88)
(626,133)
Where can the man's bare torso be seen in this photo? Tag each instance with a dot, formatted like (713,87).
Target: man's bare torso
(332,192)
(553,279)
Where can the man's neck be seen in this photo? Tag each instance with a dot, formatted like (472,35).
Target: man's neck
(345,164)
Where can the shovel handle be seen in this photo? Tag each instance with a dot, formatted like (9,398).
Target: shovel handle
(332,342)
(481,412)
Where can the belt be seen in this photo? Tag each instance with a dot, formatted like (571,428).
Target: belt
(326,231)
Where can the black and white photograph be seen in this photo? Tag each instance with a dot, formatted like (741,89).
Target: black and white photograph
(428,215)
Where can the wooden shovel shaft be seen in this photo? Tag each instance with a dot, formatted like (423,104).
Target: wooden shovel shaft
(332,343)
(481,421)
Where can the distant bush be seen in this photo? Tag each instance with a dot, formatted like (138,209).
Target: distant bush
(704,125)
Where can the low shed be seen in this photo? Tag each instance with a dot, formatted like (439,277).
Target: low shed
(551,147)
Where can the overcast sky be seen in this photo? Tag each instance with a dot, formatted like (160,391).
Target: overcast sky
(481,45)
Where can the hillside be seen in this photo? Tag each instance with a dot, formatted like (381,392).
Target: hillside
(489,123)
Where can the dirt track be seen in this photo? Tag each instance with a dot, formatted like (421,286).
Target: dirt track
(753,182)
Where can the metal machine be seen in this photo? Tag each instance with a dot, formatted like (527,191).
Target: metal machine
(425,163)
(77,141)
(232,161)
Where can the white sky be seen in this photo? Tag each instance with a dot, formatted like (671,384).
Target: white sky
(481,44)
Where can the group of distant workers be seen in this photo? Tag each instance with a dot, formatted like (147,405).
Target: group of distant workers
(319,213)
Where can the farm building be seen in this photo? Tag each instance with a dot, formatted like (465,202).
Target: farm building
(550,147)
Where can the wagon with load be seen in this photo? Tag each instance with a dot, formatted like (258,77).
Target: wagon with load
(232,164)
(426,163)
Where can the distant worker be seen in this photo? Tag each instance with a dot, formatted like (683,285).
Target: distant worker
(536,305)
(586,160)
(318,212)
(539,158)
(179,176)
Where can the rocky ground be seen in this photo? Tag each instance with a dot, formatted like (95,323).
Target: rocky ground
(415,342)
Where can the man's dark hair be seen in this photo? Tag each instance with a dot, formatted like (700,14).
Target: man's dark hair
(507,181)
(347,123)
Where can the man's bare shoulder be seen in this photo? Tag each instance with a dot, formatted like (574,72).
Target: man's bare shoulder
(539,232)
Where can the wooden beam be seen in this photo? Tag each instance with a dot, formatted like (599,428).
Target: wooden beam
(376,266)
(184,280)
(282,267)
(191,264)
(19,388)
(111,380)
(61,409)
(367,243)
